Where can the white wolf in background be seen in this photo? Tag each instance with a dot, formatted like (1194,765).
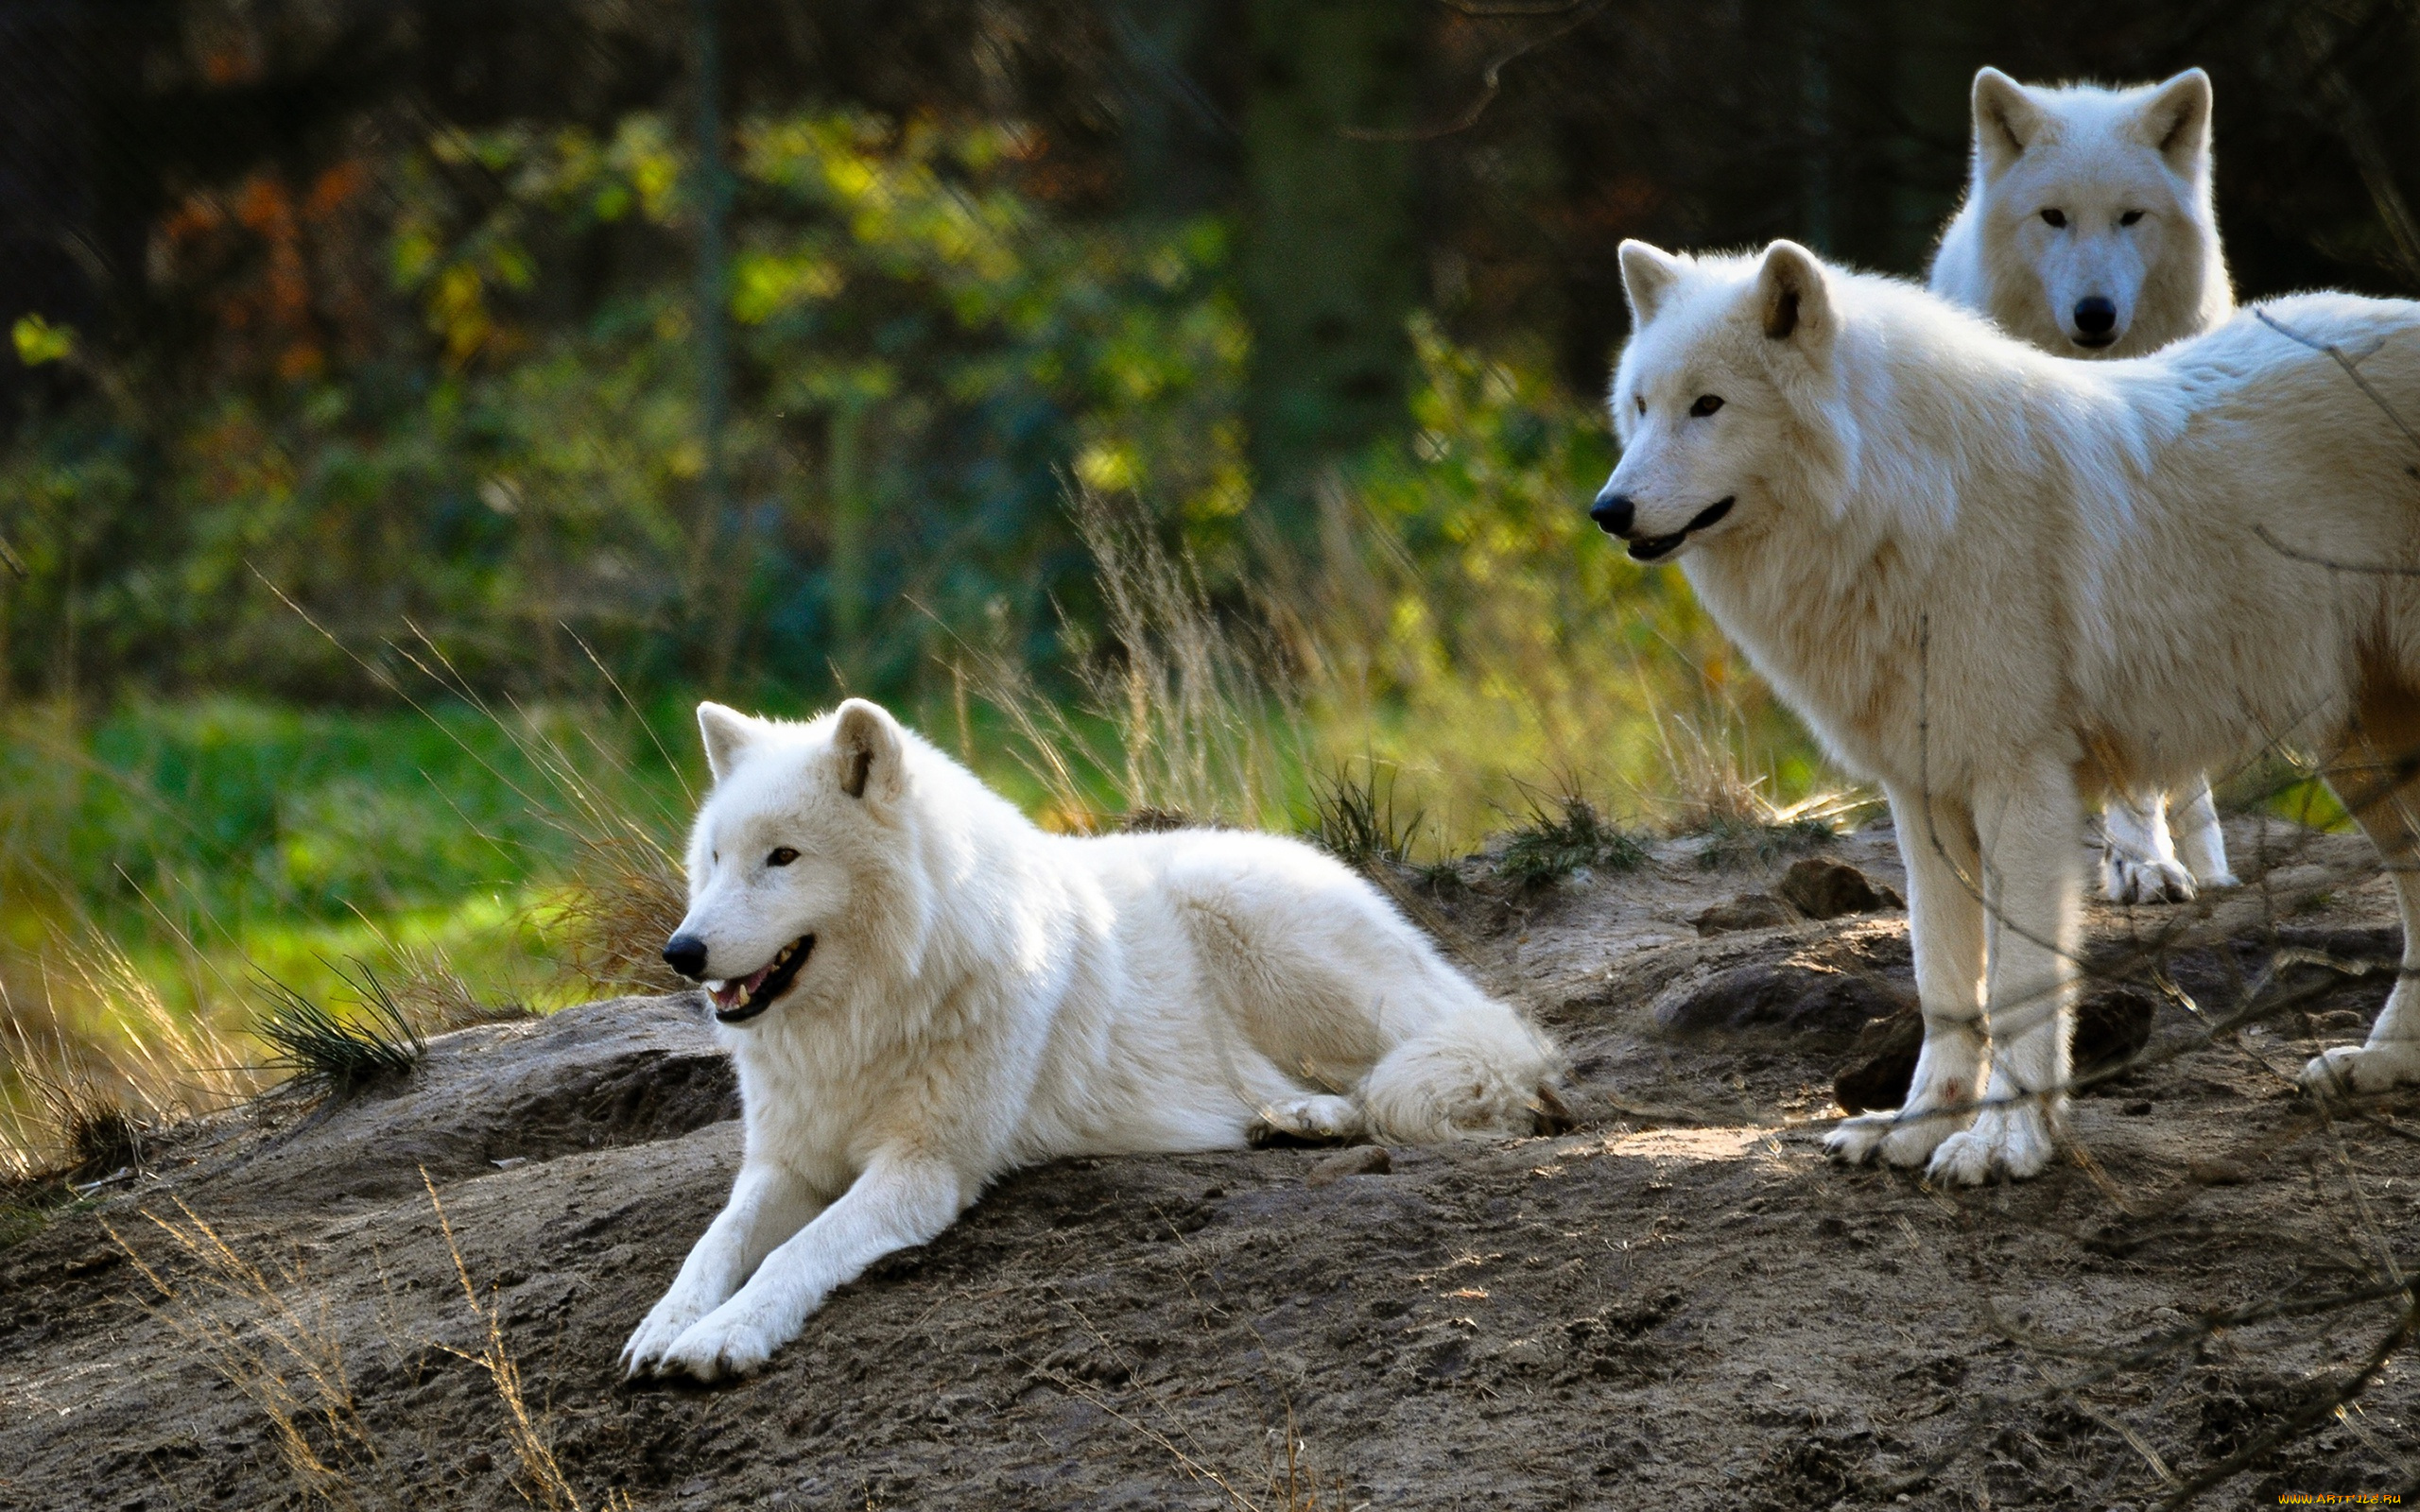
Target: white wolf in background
(1995,581)
(2089,229)
(921,991)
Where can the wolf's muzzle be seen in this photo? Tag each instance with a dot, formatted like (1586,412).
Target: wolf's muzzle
(686,955)
(1612,512)
(2096,321)
(1648,548)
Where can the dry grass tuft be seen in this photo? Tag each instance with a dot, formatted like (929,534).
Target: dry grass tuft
(1197,706)
(268,1333)
(434,997)
(624,896)
(96,1131)
(1710,793)
(106,1062)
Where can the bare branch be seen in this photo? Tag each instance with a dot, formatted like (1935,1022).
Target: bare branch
(1491,79)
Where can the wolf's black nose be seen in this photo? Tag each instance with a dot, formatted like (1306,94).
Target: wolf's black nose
(686,955)
(1612,512)
(2096,316)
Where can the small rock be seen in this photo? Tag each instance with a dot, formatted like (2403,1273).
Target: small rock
(1362,1160)
(1750,910)
(1801,1000)
(2339,1020)
(511,1163)
(2139,1108)
(1821,888)
(2217,1170)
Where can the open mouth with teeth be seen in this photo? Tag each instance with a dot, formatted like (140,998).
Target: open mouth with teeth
(1648,548)
(739,999)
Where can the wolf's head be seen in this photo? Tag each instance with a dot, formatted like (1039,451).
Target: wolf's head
(1727,400)
(798,845)
(2097,229)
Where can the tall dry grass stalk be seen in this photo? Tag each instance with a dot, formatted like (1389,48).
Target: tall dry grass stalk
(524,1430)
(1708,787)
(1470,686)
(269,1333)
(1513,661)
(107,1059)
(1188,714)
(624,888)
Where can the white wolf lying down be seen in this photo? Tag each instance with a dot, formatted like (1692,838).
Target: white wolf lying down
(1993,581)
(921,991)
(2089,229)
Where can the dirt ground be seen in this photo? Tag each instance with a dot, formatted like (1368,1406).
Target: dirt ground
(1677,1305)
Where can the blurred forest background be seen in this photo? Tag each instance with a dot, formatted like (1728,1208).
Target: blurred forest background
(414,406)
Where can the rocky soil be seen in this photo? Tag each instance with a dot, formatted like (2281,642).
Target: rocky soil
(1676,1305)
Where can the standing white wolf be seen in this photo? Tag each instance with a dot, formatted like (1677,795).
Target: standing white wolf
(921,991)
(2089,229)
(1995,581)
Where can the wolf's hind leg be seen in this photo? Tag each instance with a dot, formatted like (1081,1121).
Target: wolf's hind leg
(2386,803)
(1318,1118)
(1946,926)
(2138,861)
(2199,842)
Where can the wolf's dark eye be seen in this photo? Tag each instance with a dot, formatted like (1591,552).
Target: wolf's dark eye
(1642,404)
(2129,218)
(783,855)
(2056,217)
(1706,404)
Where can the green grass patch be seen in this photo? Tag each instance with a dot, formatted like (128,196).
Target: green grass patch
(1353,817)
(1550,847)
(323,1050)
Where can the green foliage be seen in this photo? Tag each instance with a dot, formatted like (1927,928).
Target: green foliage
(510,442)
(323,1050)
(1550,846)
(1473,629)
(223,811)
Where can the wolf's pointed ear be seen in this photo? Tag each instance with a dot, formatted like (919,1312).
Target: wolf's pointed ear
(2007,121)
(1794,298)
(1648,275)
(728,732)
(868,744)
(2175,121)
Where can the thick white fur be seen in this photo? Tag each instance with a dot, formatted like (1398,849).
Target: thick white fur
(981,995)
(2096,157)
(1994,581)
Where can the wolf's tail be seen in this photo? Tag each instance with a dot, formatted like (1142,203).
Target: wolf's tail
(1480,1070)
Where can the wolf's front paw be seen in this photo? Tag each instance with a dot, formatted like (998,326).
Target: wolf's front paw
(1317,1120)
(1904,1138)
(665,1322)
(2350,1070)
(2138,879)
(2013,1142)
(723,1343)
